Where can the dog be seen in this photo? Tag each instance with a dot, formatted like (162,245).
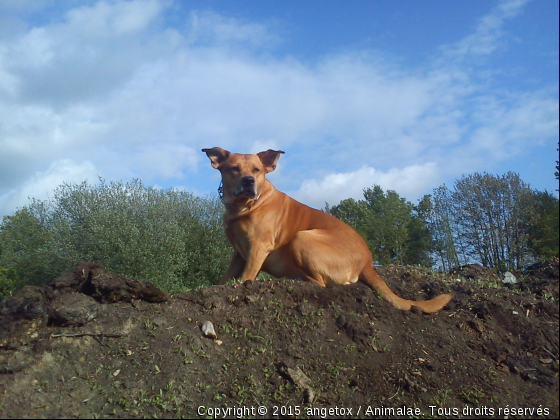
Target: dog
(272,232)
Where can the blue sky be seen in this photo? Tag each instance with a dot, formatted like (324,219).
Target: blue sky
(403,94)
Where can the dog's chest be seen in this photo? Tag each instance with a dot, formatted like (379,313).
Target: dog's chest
(240,236)
(248,236)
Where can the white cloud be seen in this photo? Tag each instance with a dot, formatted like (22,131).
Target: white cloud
(501,129)
(488,34)
(32,136)
(113,19)
(110,84)
(508,127)
(210,28)
(264,145)
(87,55)
(336,187)
(42,184)
(159,160)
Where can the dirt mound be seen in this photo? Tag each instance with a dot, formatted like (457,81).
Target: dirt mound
(283,349)
(547,270)
(475,271)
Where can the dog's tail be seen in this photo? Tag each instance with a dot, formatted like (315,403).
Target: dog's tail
(372,279)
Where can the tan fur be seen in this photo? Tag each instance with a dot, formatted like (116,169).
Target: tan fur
(272,232)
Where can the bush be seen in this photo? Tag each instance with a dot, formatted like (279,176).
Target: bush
(169,237)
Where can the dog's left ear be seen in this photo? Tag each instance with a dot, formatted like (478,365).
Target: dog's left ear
(269,159)
(217,156)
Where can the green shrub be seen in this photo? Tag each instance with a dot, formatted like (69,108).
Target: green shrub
(169,237)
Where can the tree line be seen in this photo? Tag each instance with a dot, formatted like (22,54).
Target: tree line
(496,221)
(170,237)
(176,240)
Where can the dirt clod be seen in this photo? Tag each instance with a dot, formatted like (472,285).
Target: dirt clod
(72,309)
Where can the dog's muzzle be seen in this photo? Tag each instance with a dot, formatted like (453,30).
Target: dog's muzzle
(247,188)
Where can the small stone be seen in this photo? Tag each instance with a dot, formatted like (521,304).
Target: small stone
(309,396)
(509,278)
(251,298)
(298,377)
(208,330)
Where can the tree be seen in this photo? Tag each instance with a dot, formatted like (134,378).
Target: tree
(491,215)
(420,244)
(351,212)
(444,229)
(544,226)
(29,253)
(556,173)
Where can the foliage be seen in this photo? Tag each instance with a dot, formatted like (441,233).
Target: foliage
(443,228)
(351,212)
(29,252)
(420,240)
(493,213)
(169,237)
(556,174)
(497,221)
(544,226)
(7,284)
(176,239)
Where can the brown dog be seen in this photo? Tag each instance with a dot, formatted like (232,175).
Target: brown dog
(272,232)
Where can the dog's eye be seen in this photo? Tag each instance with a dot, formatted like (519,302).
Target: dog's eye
(256,170)
(234,169)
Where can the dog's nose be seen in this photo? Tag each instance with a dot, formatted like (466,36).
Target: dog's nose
(247,181)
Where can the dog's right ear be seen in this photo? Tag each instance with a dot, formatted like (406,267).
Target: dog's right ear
(217,156)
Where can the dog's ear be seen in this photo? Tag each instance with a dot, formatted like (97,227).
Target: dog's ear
(269,159)
(217,156)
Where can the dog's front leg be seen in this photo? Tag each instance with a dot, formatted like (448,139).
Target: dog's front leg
(254,264)
(236,267)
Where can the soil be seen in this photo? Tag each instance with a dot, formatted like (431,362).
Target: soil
(92,344)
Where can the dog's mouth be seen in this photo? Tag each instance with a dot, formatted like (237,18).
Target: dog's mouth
(248,192)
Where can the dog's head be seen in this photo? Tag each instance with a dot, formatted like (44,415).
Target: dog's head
(243,176)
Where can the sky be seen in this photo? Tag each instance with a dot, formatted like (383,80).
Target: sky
(403,94)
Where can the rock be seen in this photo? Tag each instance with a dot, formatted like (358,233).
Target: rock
(72,309)
(299,379)
(509,278)
(309,396)
(251,298)
(208,330)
